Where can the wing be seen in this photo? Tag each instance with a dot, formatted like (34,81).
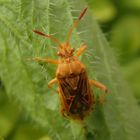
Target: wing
(76,91)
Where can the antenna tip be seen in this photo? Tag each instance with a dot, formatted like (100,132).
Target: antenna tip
(34,31)
(38,32)
(83,12)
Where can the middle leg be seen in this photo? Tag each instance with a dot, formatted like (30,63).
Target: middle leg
(102,87)
(53,81)
(99,85)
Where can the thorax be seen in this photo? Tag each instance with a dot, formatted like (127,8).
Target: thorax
(69,67)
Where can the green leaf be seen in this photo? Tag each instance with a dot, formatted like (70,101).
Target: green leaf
(26,81)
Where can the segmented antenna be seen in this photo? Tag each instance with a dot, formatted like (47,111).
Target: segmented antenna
(49,36)
(74,25)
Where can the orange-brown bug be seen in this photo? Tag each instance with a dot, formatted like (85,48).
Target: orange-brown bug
(74,87)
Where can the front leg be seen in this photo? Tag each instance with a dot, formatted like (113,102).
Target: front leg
(102,87)
(53,81)
(81,50)
(47,60)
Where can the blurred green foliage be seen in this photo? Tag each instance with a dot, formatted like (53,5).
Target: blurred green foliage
(120,22)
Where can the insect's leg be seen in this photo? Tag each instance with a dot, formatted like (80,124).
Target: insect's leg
(47,60)
(99,85)
(53,81)
(81,50)
(62,110)
(102,87)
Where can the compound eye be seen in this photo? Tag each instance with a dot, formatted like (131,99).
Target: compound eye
(72,50)
(60,54)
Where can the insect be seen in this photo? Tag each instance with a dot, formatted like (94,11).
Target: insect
(74,87)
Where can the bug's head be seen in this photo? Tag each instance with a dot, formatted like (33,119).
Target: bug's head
(65,51)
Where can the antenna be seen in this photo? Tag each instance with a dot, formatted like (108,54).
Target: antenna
(49,36)
(74,25)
